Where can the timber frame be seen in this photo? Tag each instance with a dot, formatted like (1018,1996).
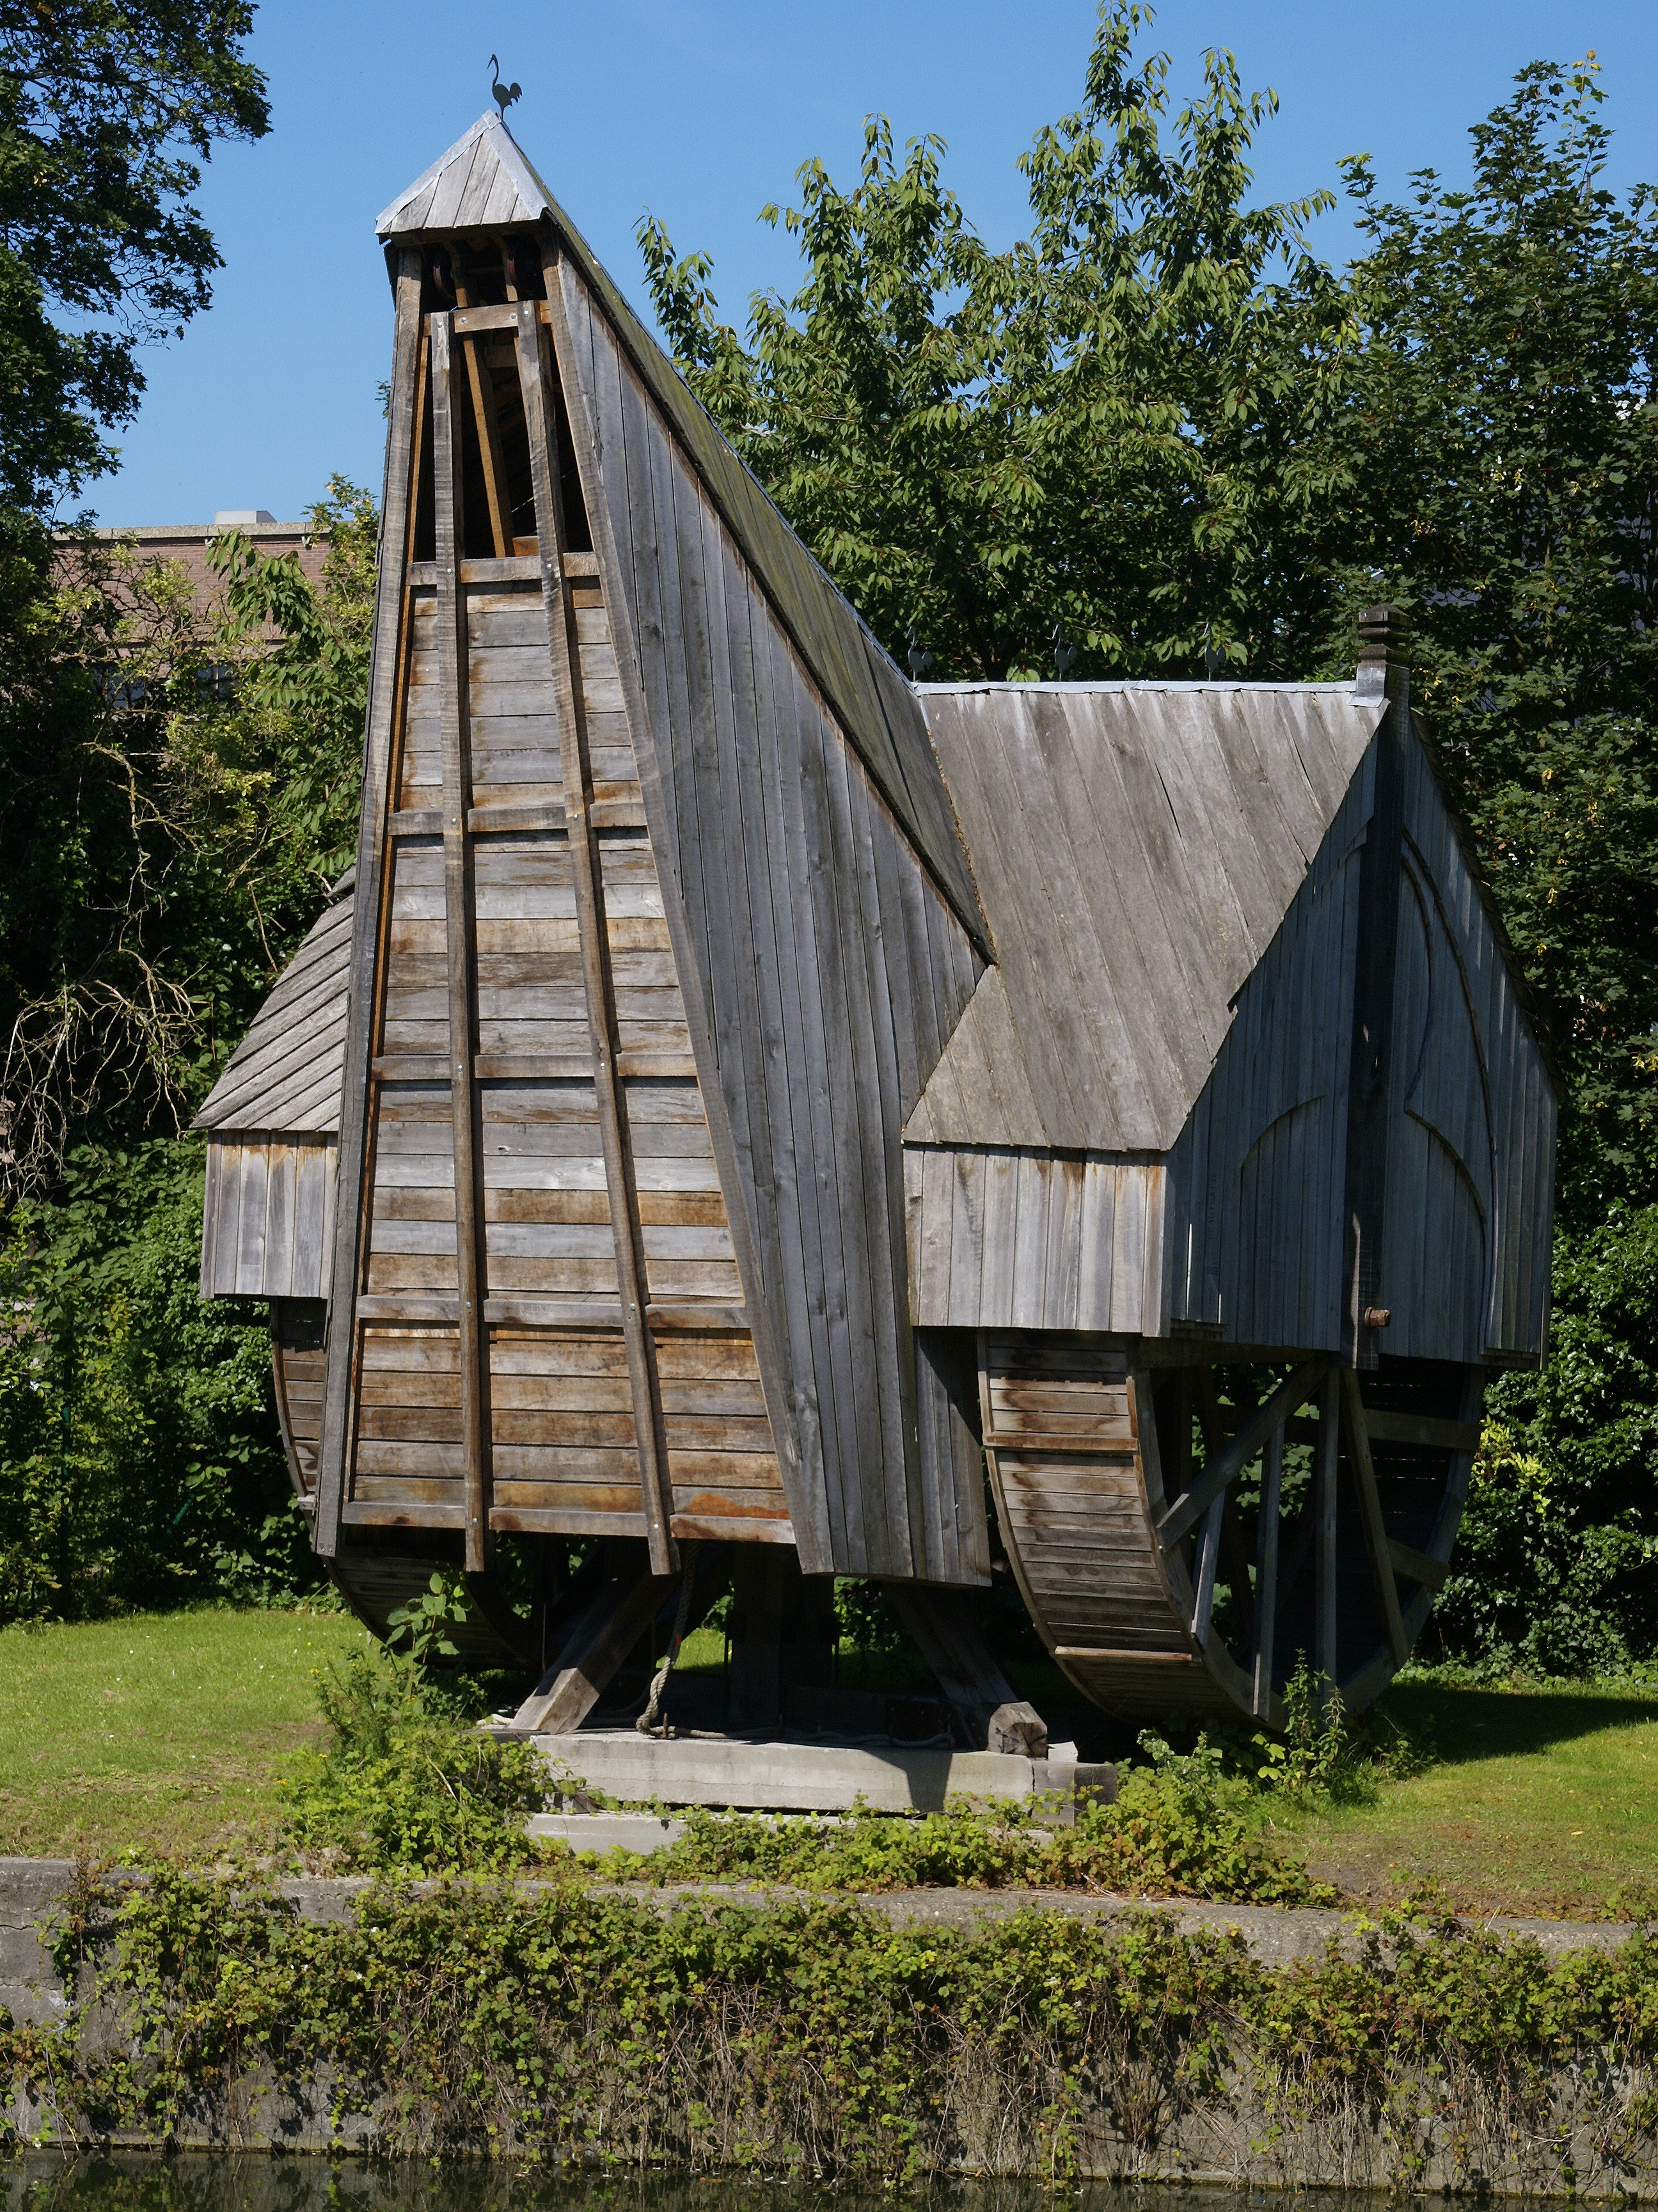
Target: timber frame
(749,1118)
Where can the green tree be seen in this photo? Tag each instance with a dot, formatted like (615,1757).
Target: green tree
(140,1463)
(103,104)
(186,828)
(1503,446)
(1094,444)
(173,837)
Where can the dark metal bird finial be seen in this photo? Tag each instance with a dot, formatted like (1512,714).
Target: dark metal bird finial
(502,95)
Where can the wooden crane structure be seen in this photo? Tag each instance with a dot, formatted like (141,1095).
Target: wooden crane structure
(741,1097)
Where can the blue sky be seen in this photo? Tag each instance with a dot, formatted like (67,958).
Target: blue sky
(702,111)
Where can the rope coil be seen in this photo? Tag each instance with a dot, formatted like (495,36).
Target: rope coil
(646,1723)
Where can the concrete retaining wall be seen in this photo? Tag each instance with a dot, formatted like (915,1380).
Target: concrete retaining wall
(1462,2135)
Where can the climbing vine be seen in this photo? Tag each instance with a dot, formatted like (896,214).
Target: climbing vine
(565,2023)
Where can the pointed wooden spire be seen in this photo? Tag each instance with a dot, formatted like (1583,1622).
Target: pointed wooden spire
(482,182)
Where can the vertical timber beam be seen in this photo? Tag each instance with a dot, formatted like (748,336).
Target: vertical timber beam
(1203,1605)
(453,685)
(388,652)
(1381,862)
(626,1234)
(482,386)
(1370,1514)
(1324,1526)
(790,1395)
(1266,1544)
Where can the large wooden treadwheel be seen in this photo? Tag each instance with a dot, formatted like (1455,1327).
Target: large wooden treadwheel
(1186,1533)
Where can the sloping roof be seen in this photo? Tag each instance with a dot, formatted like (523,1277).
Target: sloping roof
(868,693)
(1136,847)
(285,1075)
(483,181)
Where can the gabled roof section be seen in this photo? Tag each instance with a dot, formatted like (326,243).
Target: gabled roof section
(1137,847)
(484,181)
(285,1076)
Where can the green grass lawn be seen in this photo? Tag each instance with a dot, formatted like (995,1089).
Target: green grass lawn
(162,1732)
(1536,1799)
(166,1734)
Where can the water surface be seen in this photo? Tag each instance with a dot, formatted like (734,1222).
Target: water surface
(205,2181)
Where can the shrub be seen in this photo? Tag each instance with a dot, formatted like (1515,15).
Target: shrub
(404,1786)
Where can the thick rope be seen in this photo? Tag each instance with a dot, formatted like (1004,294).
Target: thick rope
(647,1722)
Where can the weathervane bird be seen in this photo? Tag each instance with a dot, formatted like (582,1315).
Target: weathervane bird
(502,95)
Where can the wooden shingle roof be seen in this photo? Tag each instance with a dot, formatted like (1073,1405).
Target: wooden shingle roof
(1136,847)
(284,1077)
(482,182)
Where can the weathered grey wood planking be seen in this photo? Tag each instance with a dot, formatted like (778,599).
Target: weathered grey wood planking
(874,703)
(1137,848)
(546,1226)
(1485,1087)
(1252,1220)
(1070,1443)
(1006,1239)
(788,864)
(1147,848)
(482,182)
(268,1222)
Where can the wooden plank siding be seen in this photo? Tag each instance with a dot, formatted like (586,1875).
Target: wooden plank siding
(268,1219)
(1252,1220)
(1475,1110)
(476,979)
(1006,1239)
(874,705)
(1141,1123)
(562,1434)
(829,968)
(1136,847)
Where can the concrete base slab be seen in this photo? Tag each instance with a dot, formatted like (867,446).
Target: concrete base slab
(810,1777)
(606,1832)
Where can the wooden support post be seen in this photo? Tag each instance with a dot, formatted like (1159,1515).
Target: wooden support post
(600,1640)
(1211,1480)
(389,653)
(1415,1566)
(481,384)
(1234,1553)
(1293,1556)
(1370,1508)
(422,402)
(453,685)
(766,1595)
(488,430)
(1266,1541)
(1382,664)
(1203,1603)
(997,1716)
(626,1233)
(1324,1529)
